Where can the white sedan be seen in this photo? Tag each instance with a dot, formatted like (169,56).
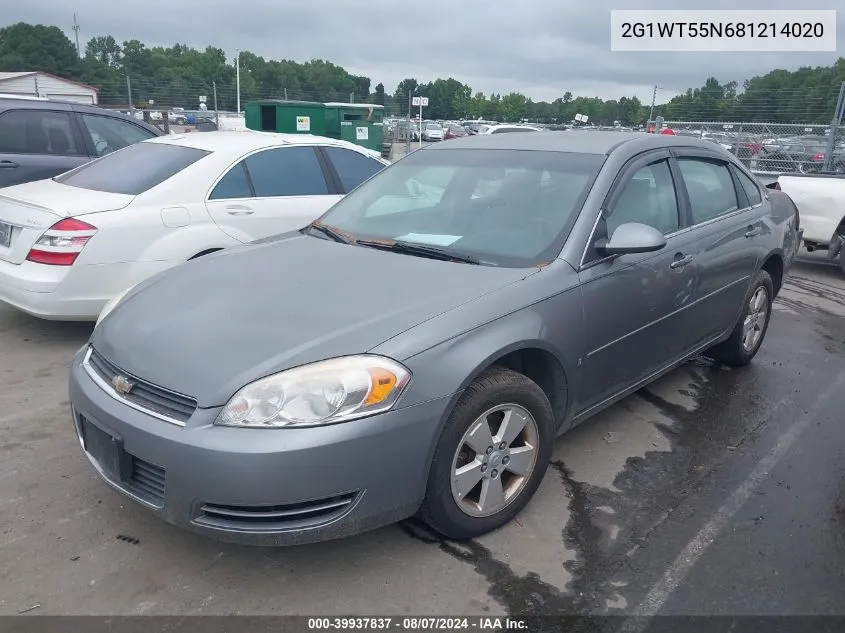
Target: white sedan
(505,128)
(69,244)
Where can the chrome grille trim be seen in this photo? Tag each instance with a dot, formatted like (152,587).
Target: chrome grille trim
(107,387)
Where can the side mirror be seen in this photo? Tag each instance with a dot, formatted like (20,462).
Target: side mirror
(633,237)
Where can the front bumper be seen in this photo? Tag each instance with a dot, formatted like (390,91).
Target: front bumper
(255,486)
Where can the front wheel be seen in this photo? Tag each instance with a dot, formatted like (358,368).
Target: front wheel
(491,457)
(750,330)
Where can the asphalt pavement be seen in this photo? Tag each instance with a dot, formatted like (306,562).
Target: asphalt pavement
(713,491)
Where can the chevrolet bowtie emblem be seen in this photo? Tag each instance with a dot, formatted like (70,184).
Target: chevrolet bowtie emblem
(121,385)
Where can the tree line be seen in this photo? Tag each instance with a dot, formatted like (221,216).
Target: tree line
(179,75)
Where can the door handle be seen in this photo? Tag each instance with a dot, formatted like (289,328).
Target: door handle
(237,209)
(680,261)
(7,164)
(752,230)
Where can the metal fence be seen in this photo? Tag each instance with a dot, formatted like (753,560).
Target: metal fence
(774,147)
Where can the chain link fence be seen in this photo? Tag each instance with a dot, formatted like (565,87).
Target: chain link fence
(774,148)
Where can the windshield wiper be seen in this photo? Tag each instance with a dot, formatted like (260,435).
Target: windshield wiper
(334,234)
(420,249)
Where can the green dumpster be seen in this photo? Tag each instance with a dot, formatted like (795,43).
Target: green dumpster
(359,123)
(290,117)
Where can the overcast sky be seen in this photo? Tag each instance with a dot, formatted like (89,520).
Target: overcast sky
(539,47)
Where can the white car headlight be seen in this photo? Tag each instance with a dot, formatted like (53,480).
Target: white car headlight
(111,304)
(325,392)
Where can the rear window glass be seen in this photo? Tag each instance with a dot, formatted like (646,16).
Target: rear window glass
(133,169)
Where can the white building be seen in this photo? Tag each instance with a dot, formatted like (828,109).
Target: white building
(45,85)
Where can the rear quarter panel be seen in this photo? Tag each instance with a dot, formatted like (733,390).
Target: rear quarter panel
(821,203)
(783,222)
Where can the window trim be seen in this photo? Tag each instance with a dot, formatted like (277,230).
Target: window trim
(632,166)
(78,136)
(737,173)
(90,147)
(332,177)
(243,157)
(712,157)
(332,170)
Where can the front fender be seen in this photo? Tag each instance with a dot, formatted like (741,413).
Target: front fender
(448,368)
(554,326)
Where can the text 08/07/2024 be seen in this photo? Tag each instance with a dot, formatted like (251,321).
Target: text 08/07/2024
(726,31)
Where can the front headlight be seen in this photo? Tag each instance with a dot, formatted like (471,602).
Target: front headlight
(325,392)
(111,304)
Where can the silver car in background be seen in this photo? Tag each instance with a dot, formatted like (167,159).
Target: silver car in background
(432,132)
(419,348)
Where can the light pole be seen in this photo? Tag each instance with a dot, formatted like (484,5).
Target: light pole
(238,78)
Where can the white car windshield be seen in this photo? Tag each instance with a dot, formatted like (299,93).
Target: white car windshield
(506,208)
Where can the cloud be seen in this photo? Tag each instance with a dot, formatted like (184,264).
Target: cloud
(542,48)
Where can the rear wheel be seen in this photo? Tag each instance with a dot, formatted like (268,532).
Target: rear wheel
(750,330)
(491,456)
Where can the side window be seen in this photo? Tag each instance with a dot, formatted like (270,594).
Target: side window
(233,185)
(352,167)
(37,132)
(109,134)
(710,187)
(287,171)
(751,189)
(647,198)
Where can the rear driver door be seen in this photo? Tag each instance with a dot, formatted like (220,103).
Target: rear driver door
(272,191)
(728,231)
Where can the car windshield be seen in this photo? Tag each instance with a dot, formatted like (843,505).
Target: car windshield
(505,207)
(133,169)
(432,126)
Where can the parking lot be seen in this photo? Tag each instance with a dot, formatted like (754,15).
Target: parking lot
(713,491)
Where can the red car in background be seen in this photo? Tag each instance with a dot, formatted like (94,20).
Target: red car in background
(453,131)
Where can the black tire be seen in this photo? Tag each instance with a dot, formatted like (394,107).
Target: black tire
(733,352)
(495,386)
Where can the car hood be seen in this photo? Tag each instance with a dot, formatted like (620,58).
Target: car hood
(210,326)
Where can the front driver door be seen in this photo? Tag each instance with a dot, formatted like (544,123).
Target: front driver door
(634,304)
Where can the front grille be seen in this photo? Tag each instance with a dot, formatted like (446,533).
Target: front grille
(145,395)
(294,516)
(147,481)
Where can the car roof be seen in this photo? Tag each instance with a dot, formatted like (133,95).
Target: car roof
(575,141)
(247,140)
(34,103)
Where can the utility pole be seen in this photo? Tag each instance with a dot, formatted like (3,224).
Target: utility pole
(75,28)
(216,111)
(238,78)
(834,127)
(129,95)
(653,99)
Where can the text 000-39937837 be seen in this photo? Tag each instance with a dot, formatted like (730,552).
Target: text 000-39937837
(723,31)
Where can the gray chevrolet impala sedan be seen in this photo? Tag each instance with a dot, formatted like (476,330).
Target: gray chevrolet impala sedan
(418,348)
